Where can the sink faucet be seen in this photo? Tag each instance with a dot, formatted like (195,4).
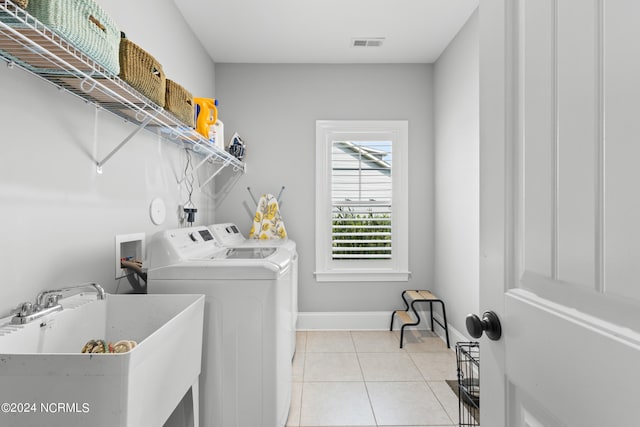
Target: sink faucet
(50,297)
(47,302)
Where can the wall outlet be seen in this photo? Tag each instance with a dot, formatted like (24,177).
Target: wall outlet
(128,246)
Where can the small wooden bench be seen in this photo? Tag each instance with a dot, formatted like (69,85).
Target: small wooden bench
(410,298)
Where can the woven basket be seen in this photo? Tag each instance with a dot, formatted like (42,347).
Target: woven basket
(9,19)
(85,25)
(179,101)
(142,71)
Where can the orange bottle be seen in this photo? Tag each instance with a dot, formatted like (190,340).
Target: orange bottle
(206,114)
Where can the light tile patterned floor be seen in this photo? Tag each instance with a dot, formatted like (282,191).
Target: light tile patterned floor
(362,378)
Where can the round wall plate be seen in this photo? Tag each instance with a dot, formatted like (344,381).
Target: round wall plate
(157,211)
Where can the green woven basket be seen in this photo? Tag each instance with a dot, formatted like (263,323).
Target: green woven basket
(8,18)
(85,25)
(179,101)
(142,71)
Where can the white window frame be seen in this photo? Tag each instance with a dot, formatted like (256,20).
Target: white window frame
(391,270)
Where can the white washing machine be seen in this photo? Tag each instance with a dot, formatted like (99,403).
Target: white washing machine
(228,235)
(246,365)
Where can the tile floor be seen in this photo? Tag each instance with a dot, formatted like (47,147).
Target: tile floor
(363,378)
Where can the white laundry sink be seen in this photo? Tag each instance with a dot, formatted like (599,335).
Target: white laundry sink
(45,380)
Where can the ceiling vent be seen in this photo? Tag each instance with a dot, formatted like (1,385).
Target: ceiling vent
(367,42)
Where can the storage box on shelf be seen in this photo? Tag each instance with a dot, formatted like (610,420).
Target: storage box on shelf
(179,101)
(12,5)
(142,71)
(22,3)
(44,53)
(84,24)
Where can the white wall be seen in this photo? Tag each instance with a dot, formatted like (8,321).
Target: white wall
(58,217)
(274,109)
(456,118)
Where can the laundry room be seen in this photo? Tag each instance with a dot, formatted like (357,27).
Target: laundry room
(316,213)
(62,216)
(76,179)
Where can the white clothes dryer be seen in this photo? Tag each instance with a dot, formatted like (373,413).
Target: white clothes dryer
(246,365)
(228,235)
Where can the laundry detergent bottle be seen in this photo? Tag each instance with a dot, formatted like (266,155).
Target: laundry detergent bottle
(206,115)
(217,131)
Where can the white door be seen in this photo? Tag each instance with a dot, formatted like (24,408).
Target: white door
(560,211)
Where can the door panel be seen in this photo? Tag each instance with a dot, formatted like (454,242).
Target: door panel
(578,66)
(577,76)
(622,94)
(530,413)
(569,362)
(558,169)
(541,130)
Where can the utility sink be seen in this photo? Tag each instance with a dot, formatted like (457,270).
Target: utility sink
(45,380)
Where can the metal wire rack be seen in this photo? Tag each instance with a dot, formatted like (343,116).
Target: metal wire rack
(468,363)
(27,43)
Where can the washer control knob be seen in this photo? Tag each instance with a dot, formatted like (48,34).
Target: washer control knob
(26,309)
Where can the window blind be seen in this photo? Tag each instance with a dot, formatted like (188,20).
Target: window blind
(361,198)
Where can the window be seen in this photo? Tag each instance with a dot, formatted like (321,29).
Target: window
(361,199)
(361,220)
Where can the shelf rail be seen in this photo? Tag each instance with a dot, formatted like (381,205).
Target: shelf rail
(29,44)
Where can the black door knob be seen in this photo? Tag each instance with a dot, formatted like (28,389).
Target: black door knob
(490,324)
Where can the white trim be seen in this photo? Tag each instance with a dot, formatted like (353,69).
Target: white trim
(454,334)
(395,269)
(368,321)
(344,321)
(627,335)
(359,276)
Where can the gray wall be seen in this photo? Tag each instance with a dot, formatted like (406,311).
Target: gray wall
(457,140)
(274,109)
(58,216)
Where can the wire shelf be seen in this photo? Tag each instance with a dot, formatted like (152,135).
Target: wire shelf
(468,363)
(27,43)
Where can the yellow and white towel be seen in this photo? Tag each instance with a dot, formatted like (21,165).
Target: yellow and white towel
(267,223)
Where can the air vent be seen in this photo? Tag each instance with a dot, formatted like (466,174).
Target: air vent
(367,42)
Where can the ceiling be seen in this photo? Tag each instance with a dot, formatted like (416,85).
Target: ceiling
(322,31)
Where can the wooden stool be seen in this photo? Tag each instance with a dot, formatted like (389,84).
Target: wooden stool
(407,320)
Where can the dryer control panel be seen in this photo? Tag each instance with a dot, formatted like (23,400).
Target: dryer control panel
(172,246)
(227,234)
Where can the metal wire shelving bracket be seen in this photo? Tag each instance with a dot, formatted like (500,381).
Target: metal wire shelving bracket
(142,125)
(29,44)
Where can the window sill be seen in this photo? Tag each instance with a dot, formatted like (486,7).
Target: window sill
(360,276)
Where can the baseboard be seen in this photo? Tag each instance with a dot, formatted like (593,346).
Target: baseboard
(367,321)
(454,334)
(346,321)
